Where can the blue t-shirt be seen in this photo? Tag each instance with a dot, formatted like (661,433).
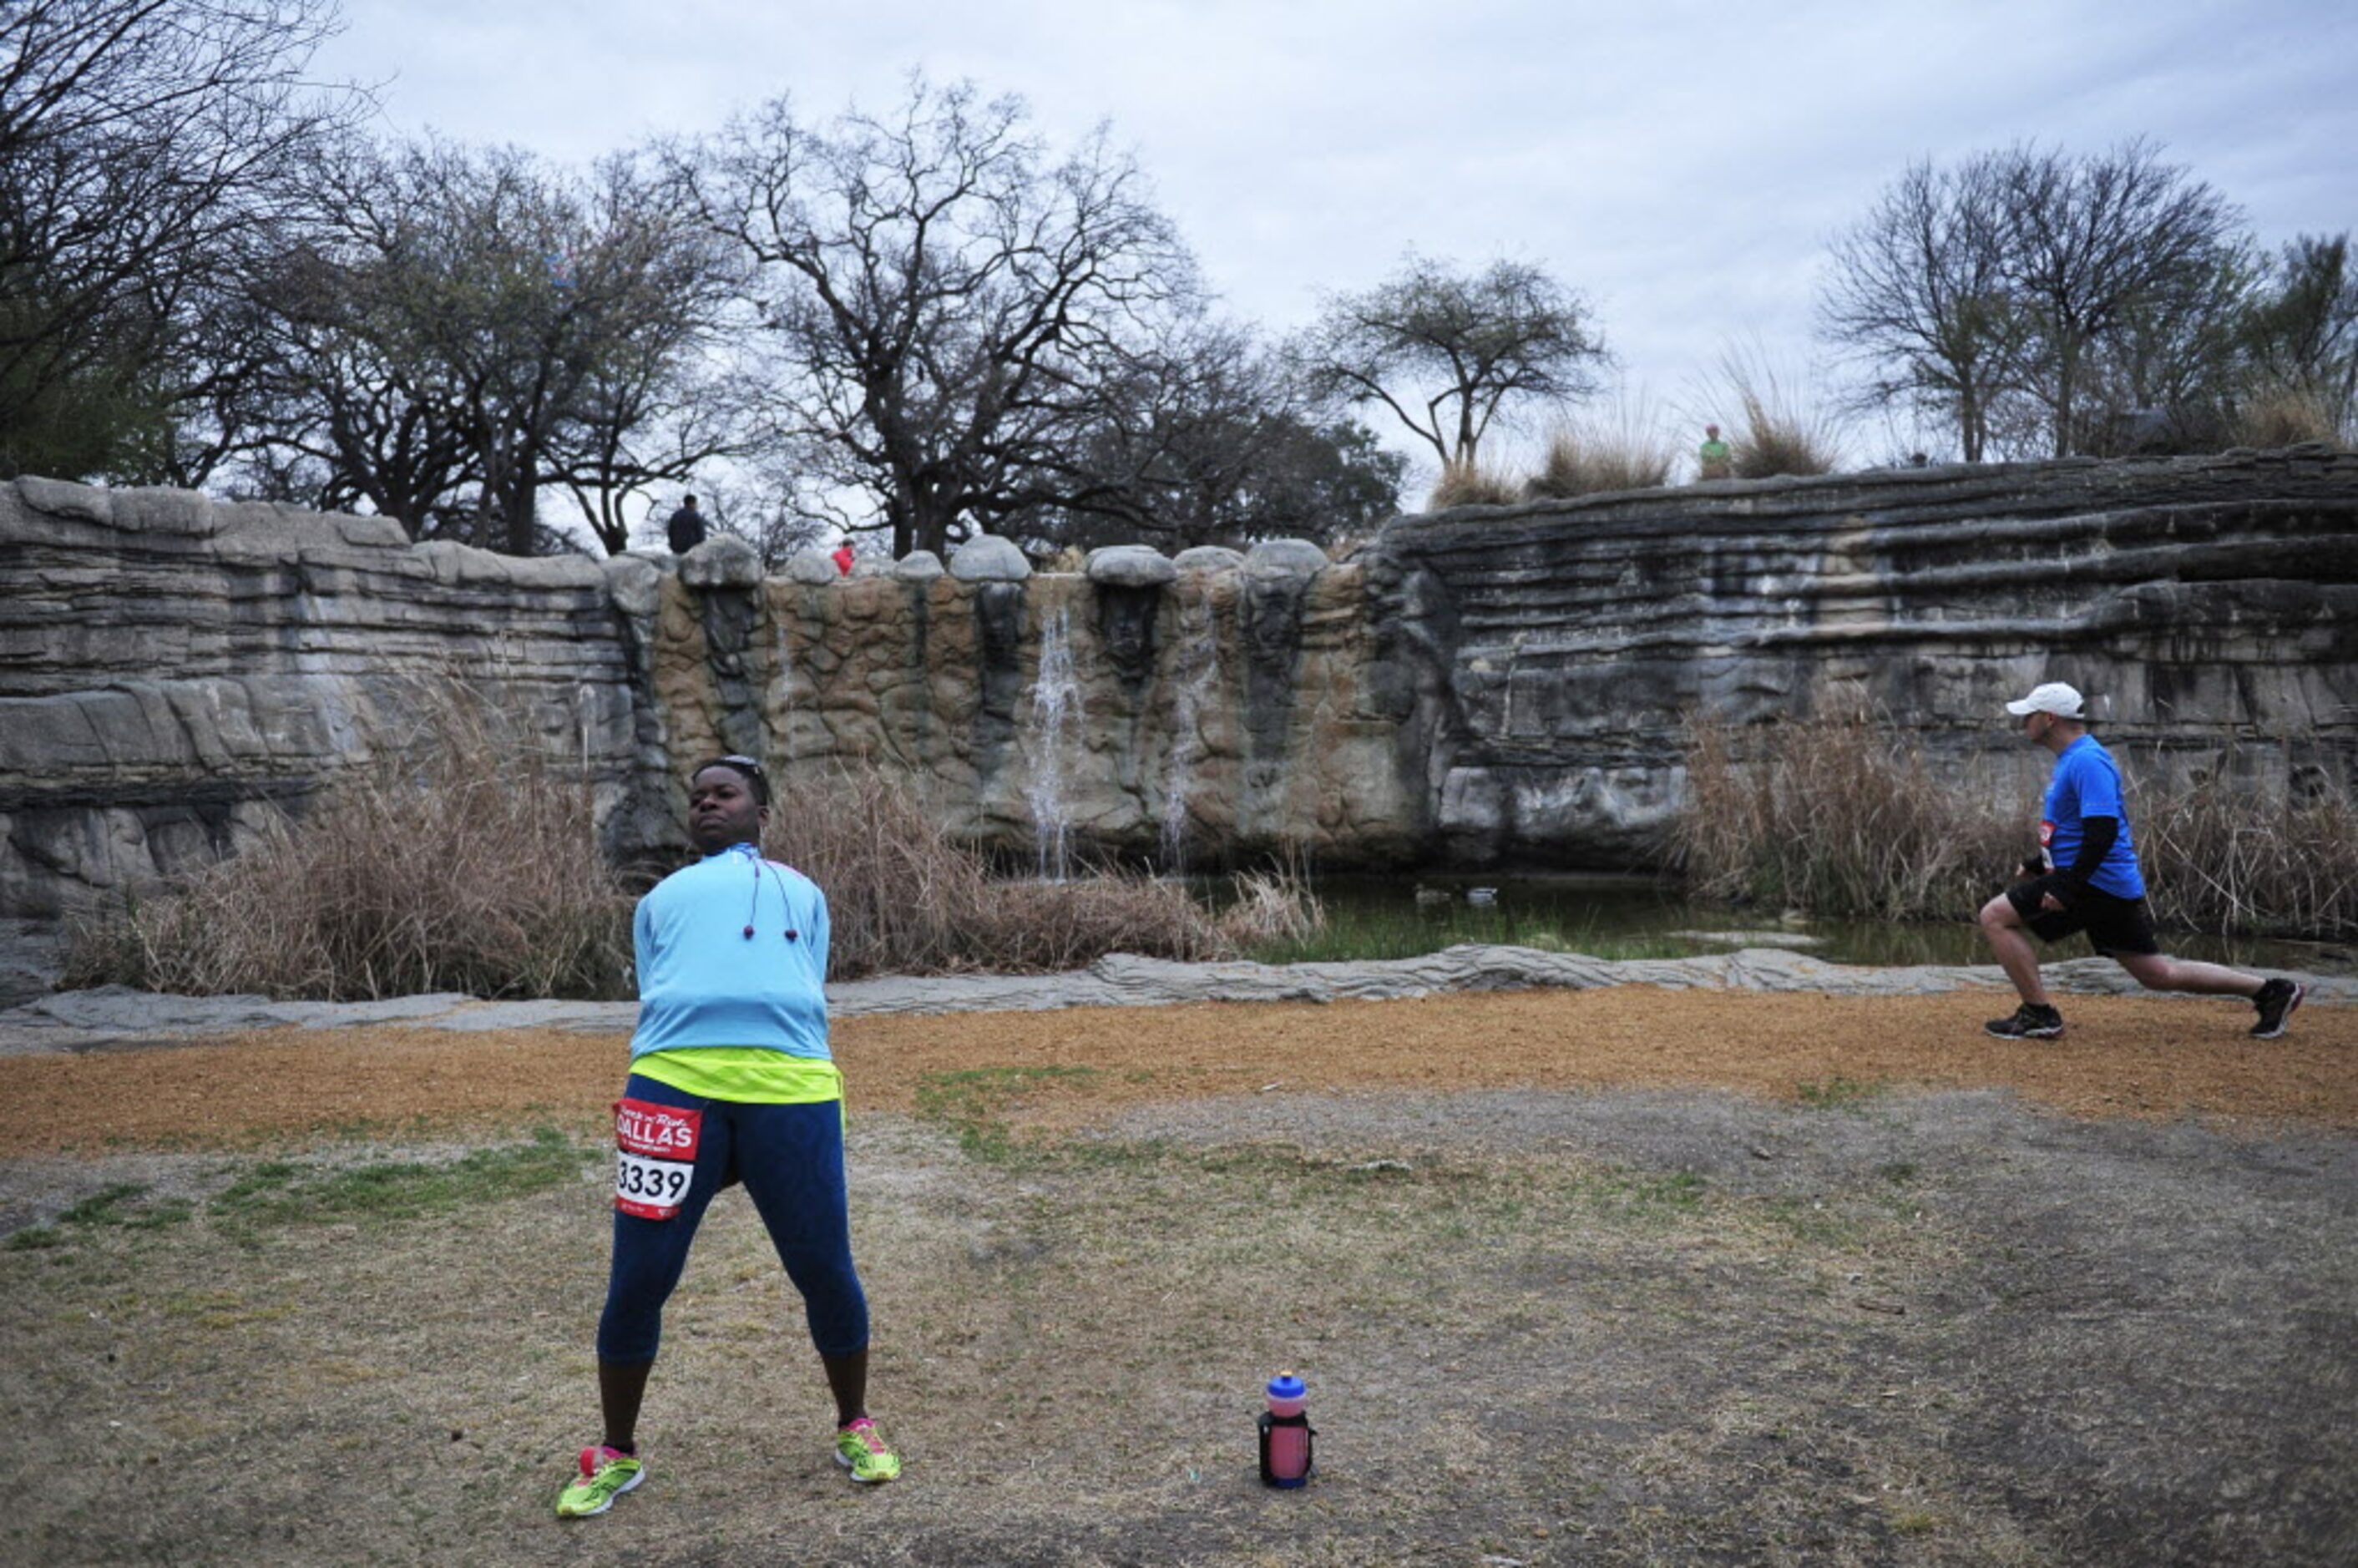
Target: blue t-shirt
(702,981)
(2087,782)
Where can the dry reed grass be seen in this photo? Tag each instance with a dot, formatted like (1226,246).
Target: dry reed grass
(1274,906)
(466,861)
(2227,859)
(1777,430)
(1470,484)
(1839,814)
(459,859)
(1591,459)
(905,898)
(1843,816)
(2285,416)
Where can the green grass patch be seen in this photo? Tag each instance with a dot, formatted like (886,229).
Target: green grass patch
(1646,1194)
(1837,1094)
(973,1103)
(279,1193)
(121,1206)
(125,1205)
(1818,1223)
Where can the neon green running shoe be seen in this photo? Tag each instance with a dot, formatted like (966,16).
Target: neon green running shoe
(606,1474)
(860,1448)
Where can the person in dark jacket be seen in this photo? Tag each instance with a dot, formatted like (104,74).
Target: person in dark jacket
(686,528)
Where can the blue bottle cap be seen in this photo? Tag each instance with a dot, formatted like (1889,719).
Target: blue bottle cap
(1285,1385)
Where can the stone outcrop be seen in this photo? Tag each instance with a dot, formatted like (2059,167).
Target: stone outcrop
(1217,713)
(174,671)
(116,1016)
(2209,605)
(1478,687)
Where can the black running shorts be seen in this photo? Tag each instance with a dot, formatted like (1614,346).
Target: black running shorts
(2113,924)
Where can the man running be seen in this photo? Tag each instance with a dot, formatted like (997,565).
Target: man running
(2085,878)
(730,1080)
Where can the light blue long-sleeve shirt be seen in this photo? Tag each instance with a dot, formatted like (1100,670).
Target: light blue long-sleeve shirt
(702,981)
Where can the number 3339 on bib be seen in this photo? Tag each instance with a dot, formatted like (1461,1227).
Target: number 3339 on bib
(655,1156)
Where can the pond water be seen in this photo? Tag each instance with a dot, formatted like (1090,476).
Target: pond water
(1628,917)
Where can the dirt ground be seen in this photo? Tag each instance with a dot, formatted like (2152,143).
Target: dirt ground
(2133,1056)
(1616,1277)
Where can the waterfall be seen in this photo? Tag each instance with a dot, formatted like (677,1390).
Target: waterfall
(1055,725)
(1193,667)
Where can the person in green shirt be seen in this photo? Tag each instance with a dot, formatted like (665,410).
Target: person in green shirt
(1713,457)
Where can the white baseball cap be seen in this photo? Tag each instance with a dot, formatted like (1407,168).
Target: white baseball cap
(2054,697)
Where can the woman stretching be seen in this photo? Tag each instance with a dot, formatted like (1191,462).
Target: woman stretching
(730,1080)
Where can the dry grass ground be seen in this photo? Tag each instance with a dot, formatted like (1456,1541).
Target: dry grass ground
(2124,1056)
(1611,1277)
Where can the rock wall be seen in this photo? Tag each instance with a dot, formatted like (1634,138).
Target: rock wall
(1215,707)
(2210,606)
(1481,687)
(174,671)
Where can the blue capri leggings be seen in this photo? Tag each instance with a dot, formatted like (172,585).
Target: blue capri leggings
(790,1158)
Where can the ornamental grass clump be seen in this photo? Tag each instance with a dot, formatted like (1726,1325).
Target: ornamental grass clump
(2286,417)
(904,897)
(1777,429)
(2224,858)
(460,859)
(1048,925)
(1593,458)
(900,895)
(1469,484)
(1839,816)
(1273,908)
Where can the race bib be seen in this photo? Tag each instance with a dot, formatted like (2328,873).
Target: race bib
(655,1157)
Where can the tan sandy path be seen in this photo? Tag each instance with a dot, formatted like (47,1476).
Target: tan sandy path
(2137,1056)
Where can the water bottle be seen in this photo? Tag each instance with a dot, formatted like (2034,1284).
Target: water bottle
(1286,1434)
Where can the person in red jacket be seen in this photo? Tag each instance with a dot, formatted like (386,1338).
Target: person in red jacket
(842,558)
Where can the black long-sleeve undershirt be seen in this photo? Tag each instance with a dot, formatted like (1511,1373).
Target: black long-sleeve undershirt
(2097,836)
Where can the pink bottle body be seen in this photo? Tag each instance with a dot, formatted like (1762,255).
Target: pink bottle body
(1288,1429)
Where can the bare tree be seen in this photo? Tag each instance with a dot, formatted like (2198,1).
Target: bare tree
(1448,350)
(2091,242)
(143,145)
(664,392)
(1214,445)
(2039,301)
(947,305)
(1920,292)
(758,505)
(2166,377)
(358,414)
(478,328)
(2299,332)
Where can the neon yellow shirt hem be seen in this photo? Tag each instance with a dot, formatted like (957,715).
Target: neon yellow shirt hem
(749,1075)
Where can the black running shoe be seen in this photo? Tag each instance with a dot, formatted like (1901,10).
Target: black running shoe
(2031,1022)
(2275,1002)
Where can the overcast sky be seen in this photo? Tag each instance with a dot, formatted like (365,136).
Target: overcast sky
(1681,165)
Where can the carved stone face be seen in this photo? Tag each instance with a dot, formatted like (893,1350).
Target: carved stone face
(722,809)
